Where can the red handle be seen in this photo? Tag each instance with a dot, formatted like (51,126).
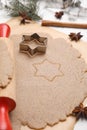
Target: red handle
(4,30)
(6,105)
(4,118)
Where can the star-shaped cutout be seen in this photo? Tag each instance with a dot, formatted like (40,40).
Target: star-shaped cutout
(33,44)
(48,70)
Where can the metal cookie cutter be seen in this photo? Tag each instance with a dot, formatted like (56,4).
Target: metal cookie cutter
(33,44)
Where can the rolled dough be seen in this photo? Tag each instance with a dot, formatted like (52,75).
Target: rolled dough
(48,86)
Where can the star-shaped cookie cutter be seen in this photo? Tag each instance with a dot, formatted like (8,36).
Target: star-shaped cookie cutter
(33,44)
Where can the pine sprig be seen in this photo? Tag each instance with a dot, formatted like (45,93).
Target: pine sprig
(16,8)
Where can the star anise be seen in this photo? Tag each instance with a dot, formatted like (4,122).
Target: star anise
(59,14)
(24,21)
(80,112)
(25,18)
(75,36)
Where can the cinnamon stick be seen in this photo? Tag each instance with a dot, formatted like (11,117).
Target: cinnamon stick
(63,24)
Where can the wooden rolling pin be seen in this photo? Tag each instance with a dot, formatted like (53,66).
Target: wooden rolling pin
(63,24)
(7,94)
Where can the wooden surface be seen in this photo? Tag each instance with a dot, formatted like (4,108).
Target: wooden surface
(81,46)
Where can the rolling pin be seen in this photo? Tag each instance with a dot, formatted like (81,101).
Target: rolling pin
(7,94)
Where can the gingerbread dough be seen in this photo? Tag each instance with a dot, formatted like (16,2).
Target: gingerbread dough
(48,86)
(6,65)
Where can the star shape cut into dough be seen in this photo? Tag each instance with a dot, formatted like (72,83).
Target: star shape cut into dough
(48,70)
(33,44)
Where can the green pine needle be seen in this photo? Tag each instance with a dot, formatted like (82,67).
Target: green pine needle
(31,9)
